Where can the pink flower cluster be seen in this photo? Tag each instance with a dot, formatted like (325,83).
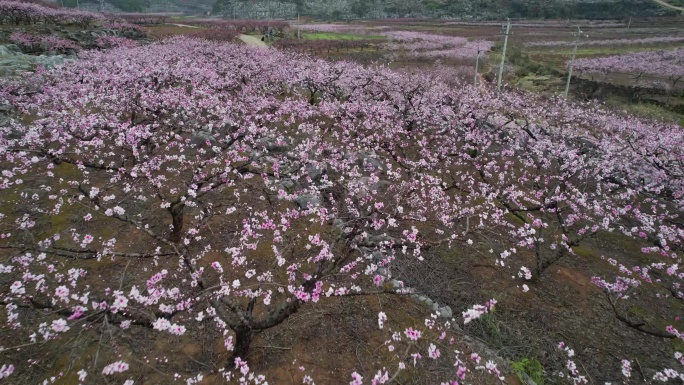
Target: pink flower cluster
(169,139)
(115,42)
(665,63)
(47,43)
(478,311)
(116,367)
(428,45)
(6,371)
(605,42)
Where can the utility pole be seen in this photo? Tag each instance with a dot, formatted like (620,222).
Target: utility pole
(505,31)
(578,35)
(630,22)
(477,66)
(268,23)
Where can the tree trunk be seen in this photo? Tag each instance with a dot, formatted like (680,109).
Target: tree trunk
(243,339)
(176,211)
(544,262)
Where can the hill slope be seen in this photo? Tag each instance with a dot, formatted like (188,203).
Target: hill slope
(354,9)
(476,9)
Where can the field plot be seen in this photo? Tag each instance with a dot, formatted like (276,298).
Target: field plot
(346,204)
(537,58)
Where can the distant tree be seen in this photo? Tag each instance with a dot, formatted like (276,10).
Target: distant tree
(360,8)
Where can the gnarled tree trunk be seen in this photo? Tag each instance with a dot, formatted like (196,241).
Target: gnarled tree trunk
(176,211)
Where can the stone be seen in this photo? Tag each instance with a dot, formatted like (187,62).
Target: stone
(200,138)
(304,200)
(376,239)
(445,312)
(50,61)
(368,160)
(365,186)
(6,51)
(585,146)
(315,173)
(286,184)
(13,65)
(435,307)
(271,145)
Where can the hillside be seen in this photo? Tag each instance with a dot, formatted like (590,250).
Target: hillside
(186,6)
(476,9)
(355,9)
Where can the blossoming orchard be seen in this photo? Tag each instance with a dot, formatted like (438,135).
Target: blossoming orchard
(208,197)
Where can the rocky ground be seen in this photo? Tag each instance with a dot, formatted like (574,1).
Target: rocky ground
(15,59)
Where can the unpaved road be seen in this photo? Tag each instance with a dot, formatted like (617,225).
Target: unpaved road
(253,41)
(184,25)
(665,4)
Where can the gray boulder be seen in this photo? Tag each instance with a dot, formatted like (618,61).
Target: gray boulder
(13,65)
(286,184)
(369,161)
(271,145)
(200,138)
(50,61)
(315,173)
(304,200)
(9,50)
(445,312)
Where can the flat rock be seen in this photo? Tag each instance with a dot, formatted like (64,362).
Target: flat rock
(303,201)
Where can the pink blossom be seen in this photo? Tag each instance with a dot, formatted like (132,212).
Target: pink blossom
(60,325)
(116,367)
(412,334)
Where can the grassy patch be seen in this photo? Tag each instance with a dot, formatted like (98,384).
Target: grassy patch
(648,110)
(530,367)
(595,51)
(585,251)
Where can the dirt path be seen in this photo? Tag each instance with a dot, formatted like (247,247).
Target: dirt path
(185,25)
(253,41)
(665,4)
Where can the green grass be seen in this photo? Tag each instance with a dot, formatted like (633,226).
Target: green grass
(649,110)
(339,36)
(677,3)
(532,367)
(599,51)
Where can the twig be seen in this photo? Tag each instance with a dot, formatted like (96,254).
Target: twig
(273,347)
(641,370)
(99,344)
(124,274)
(21,346)
(591,379)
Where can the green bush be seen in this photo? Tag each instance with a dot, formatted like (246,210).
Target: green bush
(532,367)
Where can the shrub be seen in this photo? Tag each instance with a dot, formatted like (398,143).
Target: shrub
(531,367)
